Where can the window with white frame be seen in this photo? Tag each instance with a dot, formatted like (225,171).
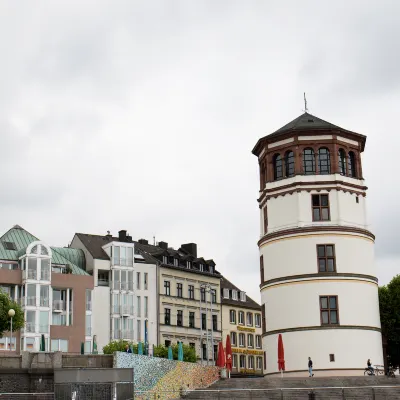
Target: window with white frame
(250,340)
(259,362)
(146,307)
(138,280)
(59,345)
(251,362)
(249,319)
(88,347)
(242,296)
(234,338)
(242,340)
(139,307)
(241,318)
(242,362)
(257,318)
(258,341)
(234,361)
(146,279)
(234,295)
(232,316)
(226,293)
(6,344)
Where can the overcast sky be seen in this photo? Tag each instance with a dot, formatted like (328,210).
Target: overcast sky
(141,115)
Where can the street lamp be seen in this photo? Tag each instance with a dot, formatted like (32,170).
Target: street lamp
(11,313)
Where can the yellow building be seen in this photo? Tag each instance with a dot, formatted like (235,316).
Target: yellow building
(241,319)
(189,298)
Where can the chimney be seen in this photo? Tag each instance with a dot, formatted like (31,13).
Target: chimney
(191,248)
(109,236)
(163,245)
(129,238)
(122,236)
(143,241)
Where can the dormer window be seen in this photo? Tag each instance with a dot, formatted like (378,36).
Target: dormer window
(211,269)
(234,295)
(176,262)
(201,267)
(226,293)
(188,264)
(242,296)
(165,260)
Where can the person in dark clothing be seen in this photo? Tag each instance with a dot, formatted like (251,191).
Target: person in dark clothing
(128,349)
(369,366)
(310,365)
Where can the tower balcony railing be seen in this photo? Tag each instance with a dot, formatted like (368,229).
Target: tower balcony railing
(29,301)
(29,274)
(45,275)
(44,302)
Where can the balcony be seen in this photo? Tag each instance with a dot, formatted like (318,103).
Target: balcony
(30,327)
(44,302)
(103,282)
(30,301)
(59,305)
(45,275)
(116,285)
(127,310)
(29,274)
(116,309)
(124,285)
(126,334)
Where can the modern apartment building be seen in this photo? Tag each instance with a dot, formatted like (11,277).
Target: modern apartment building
(241,319)
(53,290)
(125,288)
(189,297)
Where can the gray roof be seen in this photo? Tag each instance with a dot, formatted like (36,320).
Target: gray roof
(306,122)
(94,245)
(249,303)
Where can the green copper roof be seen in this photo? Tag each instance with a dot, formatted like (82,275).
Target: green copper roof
(21,239)
(64,256)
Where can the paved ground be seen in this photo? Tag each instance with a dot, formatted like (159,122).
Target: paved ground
(358,387)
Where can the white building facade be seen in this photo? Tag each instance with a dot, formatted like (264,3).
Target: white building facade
(318,279)
(124,299)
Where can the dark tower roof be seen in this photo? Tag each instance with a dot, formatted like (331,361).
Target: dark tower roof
(306,123)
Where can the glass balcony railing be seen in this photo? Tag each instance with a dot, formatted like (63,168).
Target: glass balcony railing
(59,305)
(44,302)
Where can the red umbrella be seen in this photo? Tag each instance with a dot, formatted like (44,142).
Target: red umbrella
(281,354)
(228,350)
(221,356)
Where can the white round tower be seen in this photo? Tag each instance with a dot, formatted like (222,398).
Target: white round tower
(318,280)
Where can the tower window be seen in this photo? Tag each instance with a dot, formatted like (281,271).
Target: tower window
(309,162)
(320,207)
(351,165)
(289,164)
(262,269)
(265,215)
(278,167)
(329,310)
(324,161)
(326,257)
(342,162)
(357,200)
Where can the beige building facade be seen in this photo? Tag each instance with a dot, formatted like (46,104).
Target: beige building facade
(241,319)
(189,299)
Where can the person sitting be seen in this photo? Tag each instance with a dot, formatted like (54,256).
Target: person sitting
(128,349)
(369,366)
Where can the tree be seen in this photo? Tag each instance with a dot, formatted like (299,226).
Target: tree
(389,306)
(5,305)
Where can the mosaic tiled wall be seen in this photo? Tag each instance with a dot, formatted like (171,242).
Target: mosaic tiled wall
(164,377)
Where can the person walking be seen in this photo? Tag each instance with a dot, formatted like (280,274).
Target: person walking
(310,365)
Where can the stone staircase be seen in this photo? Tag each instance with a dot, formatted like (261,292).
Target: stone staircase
(357,387)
